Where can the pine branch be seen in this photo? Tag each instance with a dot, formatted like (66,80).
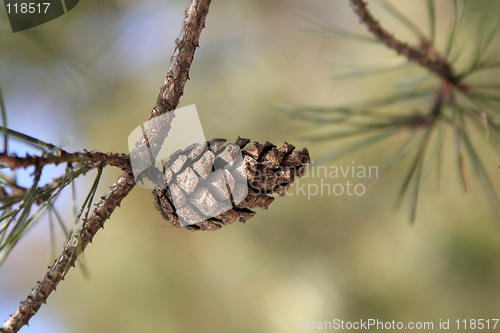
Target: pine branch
(170,93)
(185,45)
(121,161)
(56,273)
(173,86)
(433,61)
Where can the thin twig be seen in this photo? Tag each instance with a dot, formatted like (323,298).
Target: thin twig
(173,86)
(121,161)
(431,60)
(185,45)
(169,97)
(45,192)
(44,287)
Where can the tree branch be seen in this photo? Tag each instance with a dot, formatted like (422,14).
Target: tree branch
(170,93)
(44,287)
(173,87)
(121,161)
(185,45)
(433,61)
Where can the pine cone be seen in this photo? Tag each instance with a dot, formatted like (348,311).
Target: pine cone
(212,185)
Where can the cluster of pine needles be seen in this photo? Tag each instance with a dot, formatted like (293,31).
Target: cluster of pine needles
(460,107)
(21,207)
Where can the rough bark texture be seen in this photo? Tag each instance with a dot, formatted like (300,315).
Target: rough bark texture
(214,186)
(170,93)
(173,87)
(121,161)
(39,294)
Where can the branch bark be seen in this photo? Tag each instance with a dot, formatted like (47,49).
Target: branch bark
(121,161)
(433,62)
(173,87)
(170,93)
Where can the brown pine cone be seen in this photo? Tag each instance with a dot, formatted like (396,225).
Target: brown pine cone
(211,185)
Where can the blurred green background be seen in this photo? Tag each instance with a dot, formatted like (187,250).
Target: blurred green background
(91,76)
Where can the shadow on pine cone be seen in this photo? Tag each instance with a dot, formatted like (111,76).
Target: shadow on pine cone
(211,173)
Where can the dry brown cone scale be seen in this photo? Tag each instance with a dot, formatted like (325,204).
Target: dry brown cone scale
(214,185)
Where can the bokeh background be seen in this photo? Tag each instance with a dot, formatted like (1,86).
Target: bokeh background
(88,78)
